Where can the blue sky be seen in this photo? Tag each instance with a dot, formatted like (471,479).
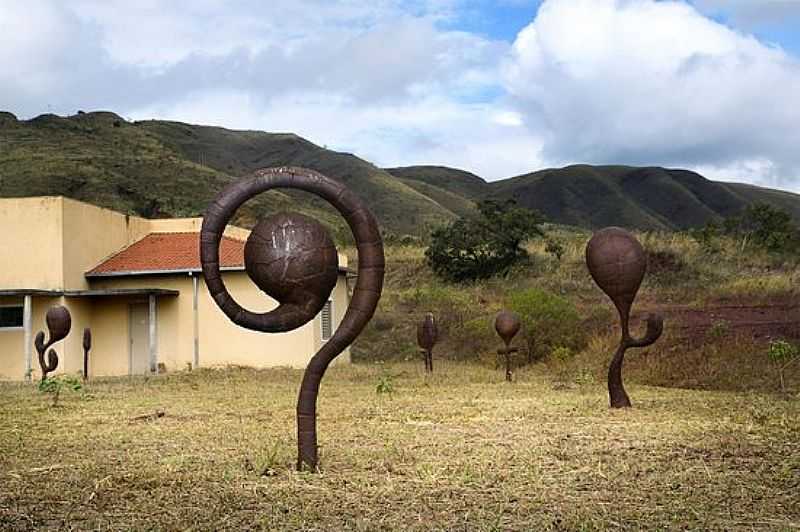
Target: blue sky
(504,19)
(499,88)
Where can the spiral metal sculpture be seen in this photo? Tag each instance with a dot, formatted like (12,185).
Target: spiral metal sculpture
(427,334)
(617,263)
(87,346)
(292,259)
(507,325)
(59,322)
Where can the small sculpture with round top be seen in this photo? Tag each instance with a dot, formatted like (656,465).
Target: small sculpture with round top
(617,263)
(507,325)
(59,322)
(292,259)
(427,335)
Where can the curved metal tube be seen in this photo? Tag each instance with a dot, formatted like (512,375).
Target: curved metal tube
(289,316)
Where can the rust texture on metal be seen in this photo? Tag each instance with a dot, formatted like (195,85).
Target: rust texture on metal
(293,260)
(87,346)
(507,325)
(617,263)
(59,322)
(427,334)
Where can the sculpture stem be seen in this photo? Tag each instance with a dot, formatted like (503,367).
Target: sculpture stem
(307,456)
(616,391)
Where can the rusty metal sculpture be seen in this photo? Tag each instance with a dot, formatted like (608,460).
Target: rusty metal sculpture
(87,346)
(507,326)
(59,322)
(293,260)
(617,263)
(427,334)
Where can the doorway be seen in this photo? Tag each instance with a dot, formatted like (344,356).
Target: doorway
(139,339)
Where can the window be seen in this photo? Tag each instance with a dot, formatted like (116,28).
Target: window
(326,316)
(11,317)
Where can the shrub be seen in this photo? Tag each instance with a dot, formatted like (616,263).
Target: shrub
(664,263)
(765,226)
(782,354)
(482,247)
(477,338)
(555,248)
(54,386)
(549,322)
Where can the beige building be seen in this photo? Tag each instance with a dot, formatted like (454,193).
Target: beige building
(137,284)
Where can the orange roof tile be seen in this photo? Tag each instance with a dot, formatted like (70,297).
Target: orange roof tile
(167,252)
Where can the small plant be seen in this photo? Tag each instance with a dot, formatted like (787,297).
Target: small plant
(555,248)
(54,386)
(385,384)
(782,354)
(561,354)
(719,329)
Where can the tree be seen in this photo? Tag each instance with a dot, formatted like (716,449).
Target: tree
(483,246)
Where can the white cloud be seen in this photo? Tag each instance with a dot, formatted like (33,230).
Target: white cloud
(432,130)
(645,82)
(599,81)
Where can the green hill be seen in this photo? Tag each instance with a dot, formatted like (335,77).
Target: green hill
(159,168)
(459,182)
(644,198)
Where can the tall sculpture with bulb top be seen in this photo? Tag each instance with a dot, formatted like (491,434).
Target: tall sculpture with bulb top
(292,259)
(617,263)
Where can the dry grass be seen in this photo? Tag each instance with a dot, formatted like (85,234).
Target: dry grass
(457,451)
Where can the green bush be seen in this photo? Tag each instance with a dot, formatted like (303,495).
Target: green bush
(767,227)
(549,322)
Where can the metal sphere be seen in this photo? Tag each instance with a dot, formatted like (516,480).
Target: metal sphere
(293,259)
(507,325)
(427,332)
(617,263)
(59,323)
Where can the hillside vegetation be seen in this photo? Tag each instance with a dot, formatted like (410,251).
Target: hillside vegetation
(722,305)
(158,169)
(650,198)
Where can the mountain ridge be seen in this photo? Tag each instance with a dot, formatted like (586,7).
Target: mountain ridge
(159,168)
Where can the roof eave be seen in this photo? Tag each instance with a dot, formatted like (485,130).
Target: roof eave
(187,271)
(132,273)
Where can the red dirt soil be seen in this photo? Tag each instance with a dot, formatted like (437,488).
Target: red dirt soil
(761,321)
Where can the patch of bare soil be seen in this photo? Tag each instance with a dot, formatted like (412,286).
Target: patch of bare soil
(760,321)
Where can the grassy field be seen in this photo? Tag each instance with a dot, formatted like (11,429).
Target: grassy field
(711,443)
(460,450)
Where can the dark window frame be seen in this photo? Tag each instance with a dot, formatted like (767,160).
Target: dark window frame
(6,326)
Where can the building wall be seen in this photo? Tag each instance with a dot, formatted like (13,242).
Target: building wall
(54,241)
(92,234)
(221,341)
(32,238)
